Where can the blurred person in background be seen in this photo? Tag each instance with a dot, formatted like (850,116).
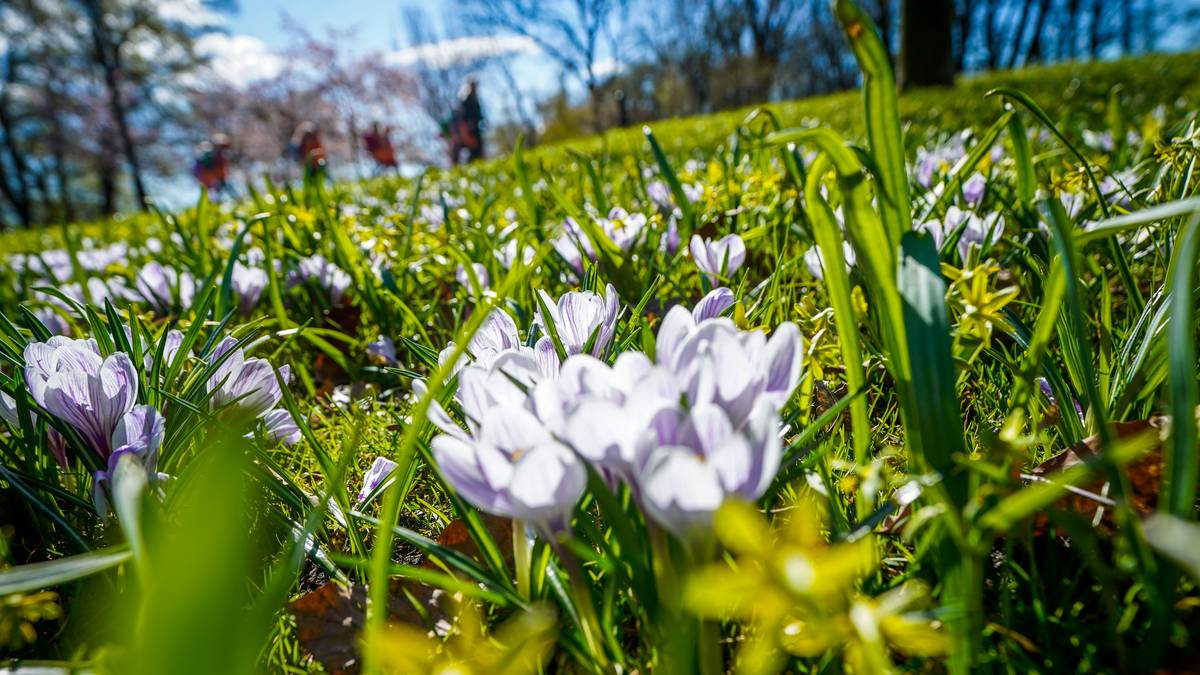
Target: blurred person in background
(211,167)
(467,124)
(307,149)
(378,143)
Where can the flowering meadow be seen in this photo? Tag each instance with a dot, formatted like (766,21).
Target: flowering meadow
(883,398)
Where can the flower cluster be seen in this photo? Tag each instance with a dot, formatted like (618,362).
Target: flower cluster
(316,269)
(684,431)
(243,389)
(97,398)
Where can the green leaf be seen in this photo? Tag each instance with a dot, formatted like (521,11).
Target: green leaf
(934,426)
(1176,539)
(1179,479)
(1155,214)
(882,115)
(36,576)
(669,175)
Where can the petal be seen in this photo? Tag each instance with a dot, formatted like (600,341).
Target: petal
(546,484)
(718,300)
(458,462)
(602,432)
(680,492)
(676,327)
(782,361)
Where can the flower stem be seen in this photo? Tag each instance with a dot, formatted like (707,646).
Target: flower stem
(589,623)
(521,557)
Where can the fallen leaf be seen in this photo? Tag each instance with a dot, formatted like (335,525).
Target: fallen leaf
(1092,499)
(329,620)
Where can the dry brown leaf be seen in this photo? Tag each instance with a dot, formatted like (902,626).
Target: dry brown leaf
(1144,475)
(330,619)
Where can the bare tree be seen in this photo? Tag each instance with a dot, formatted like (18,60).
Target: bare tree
(568,31)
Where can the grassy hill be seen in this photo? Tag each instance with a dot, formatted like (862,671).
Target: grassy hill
(1071,92)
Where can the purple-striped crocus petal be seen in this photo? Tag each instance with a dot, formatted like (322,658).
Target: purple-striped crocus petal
(459,463)
(782,361)
(498,332)
(766,447)
(738,379)
(44,359)
(547,482)
(140,431)
(709,427)
(585,375)
(676,327)
(380,469)
(602,432)
(256,388)
(711,305)
(547,357)
(629,369)
(578,316)
(680,491)
(512,430)
(281,427)
(92,403)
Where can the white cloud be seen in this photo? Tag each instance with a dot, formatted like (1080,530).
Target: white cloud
(461,50)
(603,68)
(239,59)
(189,12)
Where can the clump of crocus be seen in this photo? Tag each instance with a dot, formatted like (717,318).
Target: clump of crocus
(720,258)
(685,432)
(316,269)
(243,389)
(697,426)
(582,319)
(165,288)
(97,397)
(70,380)
(247,284)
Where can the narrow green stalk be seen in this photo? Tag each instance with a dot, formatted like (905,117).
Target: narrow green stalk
(521,557)
(708,647)
(589,623)
(882,116)
(837,282)
(1179,489)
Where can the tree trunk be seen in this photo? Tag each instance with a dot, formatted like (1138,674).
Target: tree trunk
(16,187)
(1018,38)
(1071,33)
(927,50)
(108,185)
(965,19)
(108,56)
(1034,53)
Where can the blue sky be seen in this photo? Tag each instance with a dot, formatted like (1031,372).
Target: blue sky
(377,24)
(257,28)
